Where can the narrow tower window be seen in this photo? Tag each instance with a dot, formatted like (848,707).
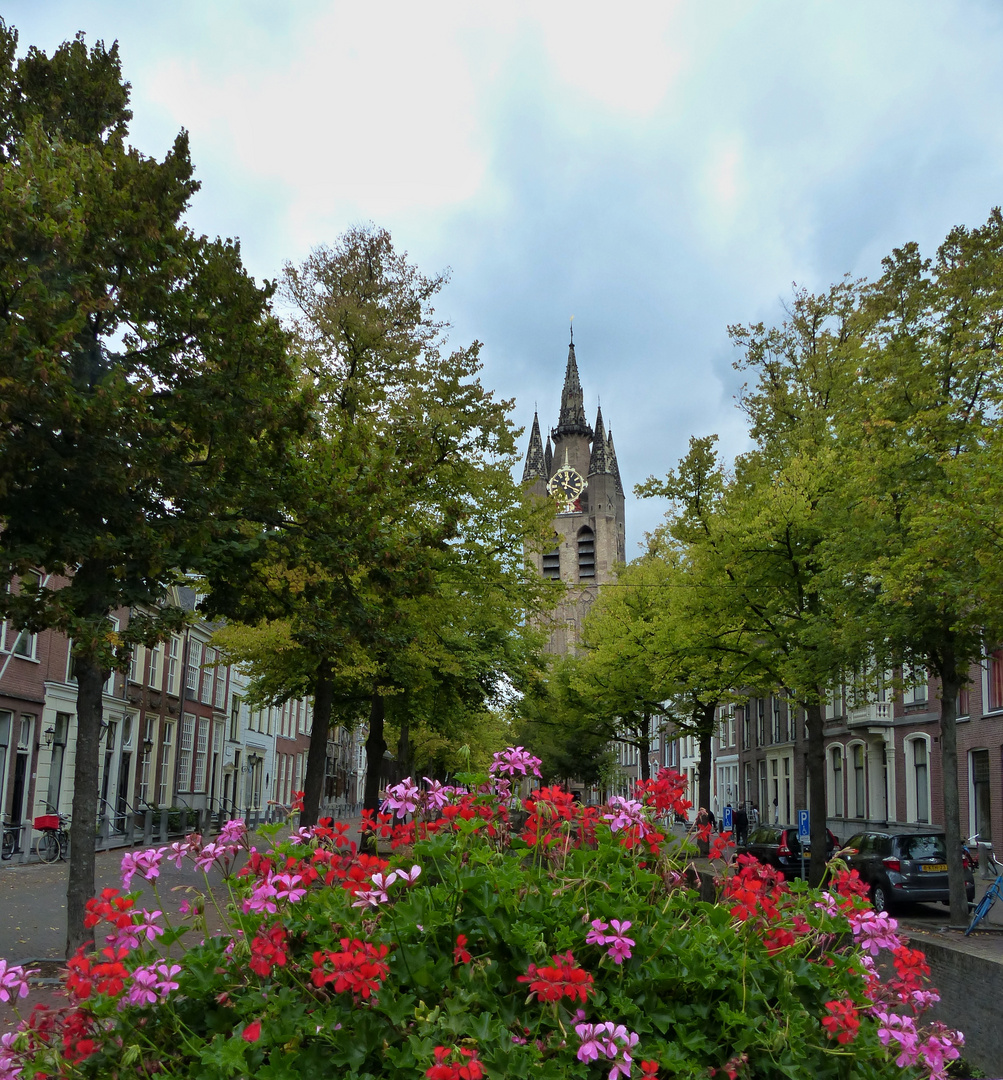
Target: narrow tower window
(552,564)
(586,554)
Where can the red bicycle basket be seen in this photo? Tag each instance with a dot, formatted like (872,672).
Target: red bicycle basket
(47,821)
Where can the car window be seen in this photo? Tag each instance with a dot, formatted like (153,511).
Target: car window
(923,846)
(855,841)
(763,835)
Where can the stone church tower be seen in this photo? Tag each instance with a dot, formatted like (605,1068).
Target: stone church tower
(578,472)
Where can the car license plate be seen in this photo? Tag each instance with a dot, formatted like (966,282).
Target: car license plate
(935,868)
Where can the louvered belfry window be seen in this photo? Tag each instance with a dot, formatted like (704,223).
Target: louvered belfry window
(552,564)
(586,554)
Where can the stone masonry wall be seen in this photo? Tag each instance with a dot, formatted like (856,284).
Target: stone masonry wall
(971,992)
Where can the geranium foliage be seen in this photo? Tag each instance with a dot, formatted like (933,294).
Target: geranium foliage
(493,936)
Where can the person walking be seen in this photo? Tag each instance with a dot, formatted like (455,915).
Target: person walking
(741,822)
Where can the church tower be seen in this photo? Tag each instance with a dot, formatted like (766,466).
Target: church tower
(578,472)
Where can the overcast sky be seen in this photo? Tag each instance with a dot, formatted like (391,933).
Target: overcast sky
(658,171)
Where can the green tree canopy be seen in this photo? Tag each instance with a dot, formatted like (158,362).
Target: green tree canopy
(144,389)
(398,575)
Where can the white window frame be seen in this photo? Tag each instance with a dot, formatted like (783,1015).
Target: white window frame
(193,669)
(166,764)
(836,783)
(201,754)
(174,666)
(186,746)
(154,672)
(852,767)
(912,791)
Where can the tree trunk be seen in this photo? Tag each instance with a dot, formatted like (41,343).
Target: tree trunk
(949,684)
(404,756)
(816,777)
(706,730)
(375,748)
(645,747)
(316,761)
(80,884)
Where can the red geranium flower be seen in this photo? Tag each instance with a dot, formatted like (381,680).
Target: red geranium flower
(563,979)
(460,954)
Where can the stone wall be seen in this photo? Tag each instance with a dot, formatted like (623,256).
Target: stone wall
(971,993)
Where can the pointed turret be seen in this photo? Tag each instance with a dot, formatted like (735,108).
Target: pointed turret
(572,420)
(536,467)
(548,459)
(599,461)
(614,468)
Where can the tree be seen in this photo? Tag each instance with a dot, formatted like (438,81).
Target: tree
(397,576)
(144,388)
(620,675)
(760,538)
(559,723)
(922,447)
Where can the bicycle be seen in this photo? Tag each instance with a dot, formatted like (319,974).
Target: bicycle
(972,849)
(9,844)
(53,842)
(993,893)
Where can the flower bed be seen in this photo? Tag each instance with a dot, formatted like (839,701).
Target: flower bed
(575,948)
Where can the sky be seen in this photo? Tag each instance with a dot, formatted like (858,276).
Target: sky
(658,171)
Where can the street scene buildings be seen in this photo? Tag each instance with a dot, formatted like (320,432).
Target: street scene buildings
(177,732)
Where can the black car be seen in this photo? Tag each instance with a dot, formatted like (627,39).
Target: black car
(778,846)
(902,867)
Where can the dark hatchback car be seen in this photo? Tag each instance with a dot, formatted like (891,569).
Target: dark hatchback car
(902,868)
(778,846)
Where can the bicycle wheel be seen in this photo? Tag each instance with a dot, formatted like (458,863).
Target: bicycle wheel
(48,846)
(981,910)
(9,843)
(64,843)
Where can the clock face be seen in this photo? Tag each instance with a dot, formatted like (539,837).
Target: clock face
(566,485)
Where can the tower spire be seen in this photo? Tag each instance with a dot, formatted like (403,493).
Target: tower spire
(535,463)
(572,420)
(614,468)
(599,461)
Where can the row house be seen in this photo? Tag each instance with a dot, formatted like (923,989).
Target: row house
(882,754)
(177,731)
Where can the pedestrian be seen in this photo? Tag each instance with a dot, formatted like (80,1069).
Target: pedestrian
(712,819)
(741,820)
(754,815)
(776,812)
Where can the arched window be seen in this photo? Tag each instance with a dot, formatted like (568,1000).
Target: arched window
(586,554)
(917,778)
(858,759)
(836,804)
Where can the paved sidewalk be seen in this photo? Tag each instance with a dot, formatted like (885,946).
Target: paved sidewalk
(33,913)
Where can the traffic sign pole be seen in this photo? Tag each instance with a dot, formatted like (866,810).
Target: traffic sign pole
(804,834)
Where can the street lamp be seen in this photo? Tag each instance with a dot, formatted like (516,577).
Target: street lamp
(49,734)
(147,744)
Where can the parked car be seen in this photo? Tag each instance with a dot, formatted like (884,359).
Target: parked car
(903,867)
(778,846)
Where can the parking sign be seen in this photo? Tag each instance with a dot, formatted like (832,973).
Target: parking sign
(804,826)
(726,818)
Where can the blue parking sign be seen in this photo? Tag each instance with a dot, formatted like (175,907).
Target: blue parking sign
(804,826)
(726,818)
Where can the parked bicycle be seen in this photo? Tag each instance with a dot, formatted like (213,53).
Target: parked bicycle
(972,848)
(55,838)
(10,835)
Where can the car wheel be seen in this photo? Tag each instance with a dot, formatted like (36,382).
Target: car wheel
(880,899)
